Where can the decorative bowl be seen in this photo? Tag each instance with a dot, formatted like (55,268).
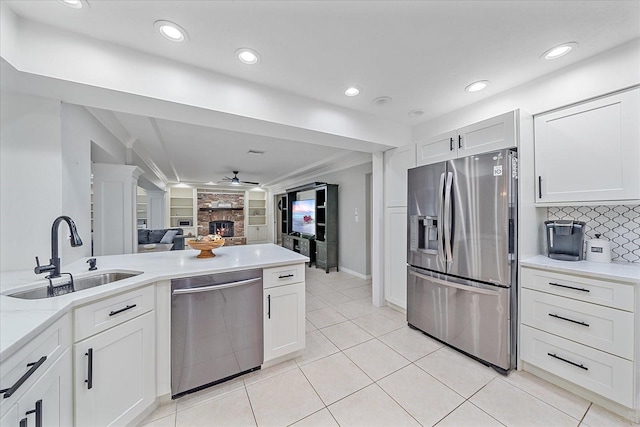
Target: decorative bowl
(206,248)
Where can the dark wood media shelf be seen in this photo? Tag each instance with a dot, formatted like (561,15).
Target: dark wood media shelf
(322,249)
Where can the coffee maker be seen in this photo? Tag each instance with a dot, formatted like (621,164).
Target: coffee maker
(565,239)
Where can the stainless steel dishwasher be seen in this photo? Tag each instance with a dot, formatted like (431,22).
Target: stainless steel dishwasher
(216,329)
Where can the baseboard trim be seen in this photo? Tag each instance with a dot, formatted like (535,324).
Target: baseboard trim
(355,273)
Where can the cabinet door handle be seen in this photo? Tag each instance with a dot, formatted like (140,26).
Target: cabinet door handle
(450,144)
(129,307)
(539,187)
(8,392)
(581,366)
(577,322)
(38,412)
(89,379)
(569,287)
(460,143)
(268,306)
(286,276)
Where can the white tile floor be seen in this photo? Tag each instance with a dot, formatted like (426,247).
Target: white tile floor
(363,366)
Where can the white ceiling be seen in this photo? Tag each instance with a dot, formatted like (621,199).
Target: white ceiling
(420,53)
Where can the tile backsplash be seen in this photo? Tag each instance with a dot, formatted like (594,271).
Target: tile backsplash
(620,224)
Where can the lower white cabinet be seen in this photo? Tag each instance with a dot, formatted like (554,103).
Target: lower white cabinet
(256,233)
(48,402)
(583,330)
(115,373)
(284,320)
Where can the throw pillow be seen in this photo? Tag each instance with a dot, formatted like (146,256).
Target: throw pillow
(168,236)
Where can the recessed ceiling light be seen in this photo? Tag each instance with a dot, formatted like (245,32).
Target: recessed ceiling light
(477,86)
(416,113)
(558,51)
(74,4)
(382,100)
(171,31)
(352,91)
(248,56)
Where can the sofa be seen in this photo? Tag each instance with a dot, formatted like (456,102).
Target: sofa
(146,237)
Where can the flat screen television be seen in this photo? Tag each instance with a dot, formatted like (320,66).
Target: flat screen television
(304,216)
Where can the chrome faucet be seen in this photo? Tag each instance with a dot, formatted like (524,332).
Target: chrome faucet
(54,262)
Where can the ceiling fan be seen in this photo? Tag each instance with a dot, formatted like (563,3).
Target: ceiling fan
(236,181)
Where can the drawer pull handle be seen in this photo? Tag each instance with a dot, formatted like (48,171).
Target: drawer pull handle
(38,412)
(8,392)
(577,322)
(569,287)
(268,306)
(568,361)
(286,276)
(89,379)
(129,307)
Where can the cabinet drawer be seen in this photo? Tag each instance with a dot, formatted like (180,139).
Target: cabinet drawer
(602,373)
(107,313)
(284,275)
(604,328)
(608,293)
(42,352)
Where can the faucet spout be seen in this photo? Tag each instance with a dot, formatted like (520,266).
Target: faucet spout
(54,262)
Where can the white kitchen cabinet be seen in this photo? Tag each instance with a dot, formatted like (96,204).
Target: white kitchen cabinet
(284,320)
(48,402)
(396,163)
(589,152)
(582,330)
(257,234)
(28,375)
(395,255)
(115,374)
(487,135)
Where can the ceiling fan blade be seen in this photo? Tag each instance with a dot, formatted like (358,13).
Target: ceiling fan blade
(250,182)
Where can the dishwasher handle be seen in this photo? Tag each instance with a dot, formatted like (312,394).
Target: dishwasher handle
(215,287)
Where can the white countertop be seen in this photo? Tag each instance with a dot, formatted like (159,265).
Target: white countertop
(621,271)
(21,320)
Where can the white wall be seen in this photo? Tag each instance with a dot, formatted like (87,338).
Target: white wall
(598,75)
(30,178)
(82,133)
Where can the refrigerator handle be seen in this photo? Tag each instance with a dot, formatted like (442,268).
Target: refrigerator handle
(447,217)
(440,219)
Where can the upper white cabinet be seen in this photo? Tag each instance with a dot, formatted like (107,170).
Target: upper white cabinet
(491,134)
(589,152)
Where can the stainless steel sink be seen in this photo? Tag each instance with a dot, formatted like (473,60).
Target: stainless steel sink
(78,284)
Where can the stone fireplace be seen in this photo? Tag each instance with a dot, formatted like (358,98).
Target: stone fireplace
(222,212)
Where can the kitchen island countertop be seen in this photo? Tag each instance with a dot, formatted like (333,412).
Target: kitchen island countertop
(21,320)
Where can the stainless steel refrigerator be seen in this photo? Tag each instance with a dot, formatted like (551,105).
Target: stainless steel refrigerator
(462,254)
